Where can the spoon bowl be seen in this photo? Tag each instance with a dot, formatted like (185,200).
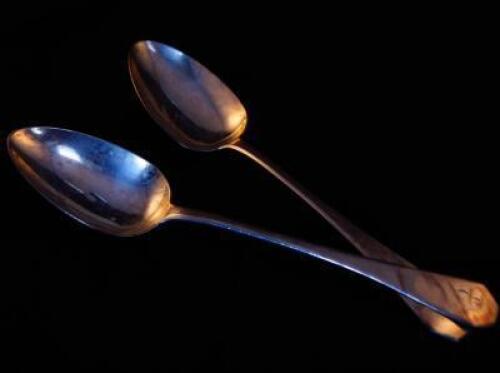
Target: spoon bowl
(98,183)
(193,105)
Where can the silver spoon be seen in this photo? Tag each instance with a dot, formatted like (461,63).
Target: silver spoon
(201,113)
(117,192)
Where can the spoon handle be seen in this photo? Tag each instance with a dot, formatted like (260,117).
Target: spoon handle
(466,302)
(367,245)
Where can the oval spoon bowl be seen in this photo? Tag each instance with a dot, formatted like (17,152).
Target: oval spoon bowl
(98,183)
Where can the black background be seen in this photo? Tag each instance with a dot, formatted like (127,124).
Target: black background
(386,114)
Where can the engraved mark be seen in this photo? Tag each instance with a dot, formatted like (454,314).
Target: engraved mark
(472,297)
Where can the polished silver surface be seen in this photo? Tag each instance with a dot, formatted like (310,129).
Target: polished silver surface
(184,97)
(201,113)
(98,183)
(117,192)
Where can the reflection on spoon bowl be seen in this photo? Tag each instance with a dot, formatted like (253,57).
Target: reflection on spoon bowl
(102,185)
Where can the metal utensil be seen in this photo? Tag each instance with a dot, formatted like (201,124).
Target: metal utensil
(201,113)
(117,192)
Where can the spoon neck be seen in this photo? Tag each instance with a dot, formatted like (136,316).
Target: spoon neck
(202,217)
(256,156)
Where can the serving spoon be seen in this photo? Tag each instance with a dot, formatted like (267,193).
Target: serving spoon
(117,192)
(201,113)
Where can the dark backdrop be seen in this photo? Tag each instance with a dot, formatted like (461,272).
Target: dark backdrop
(387,116)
